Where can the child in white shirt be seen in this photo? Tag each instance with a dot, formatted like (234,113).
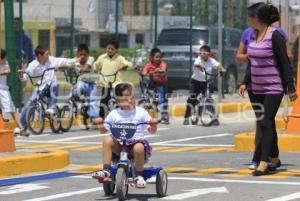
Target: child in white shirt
(7,104)
(138,145)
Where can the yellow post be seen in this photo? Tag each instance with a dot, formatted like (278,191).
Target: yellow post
(293,124)
(52,40)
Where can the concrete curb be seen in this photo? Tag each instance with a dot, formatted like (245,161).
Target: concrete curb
(36,162)
(286,142)
(179,109)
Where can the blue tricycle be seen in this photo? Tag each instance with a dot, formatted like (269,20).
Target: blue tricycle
(123,170)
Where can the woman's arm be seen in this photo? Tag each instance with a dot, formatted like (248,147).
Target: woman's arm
(241,55)
(282,60)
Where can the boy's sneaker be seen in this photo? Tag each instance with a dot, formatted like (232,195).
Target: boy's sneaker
(24,133)
(164,121)
(50,111)
(140,182)
(103,176)
(186,121)
(17,131)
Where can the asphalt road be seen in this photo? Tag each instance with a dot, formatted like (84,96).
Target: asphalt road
(201,164)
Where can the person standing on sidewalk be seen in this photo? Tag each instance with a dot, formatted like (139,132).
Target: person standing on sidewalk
(7,104)
(198,82)
(242,57)
(270,77)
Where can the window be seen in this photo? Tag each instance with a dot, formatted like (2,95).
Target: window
(139,39)
(105,38)
(82,38)
(44,38)
(234,37)
(182,37)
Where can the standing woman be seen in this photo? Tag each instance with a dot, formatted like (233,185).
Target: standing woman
(269,76)
(242,57)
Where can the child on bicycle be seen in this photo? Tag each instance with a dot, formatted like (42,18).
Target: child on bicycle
(155,77)
(109,63)
(7,104)
(86,82)
(138,146)
(49,83)
(198,83)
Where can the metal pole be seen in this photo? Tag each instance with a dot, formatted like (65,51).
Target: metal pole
(0,23)
(191,37)
(155,22)
(220,45)
(21,23)
(117,20)
(72,29)
(13,81)
(286,27)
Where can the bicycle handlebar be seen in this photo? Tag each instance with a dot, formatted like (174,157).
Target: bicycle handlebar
(42,77)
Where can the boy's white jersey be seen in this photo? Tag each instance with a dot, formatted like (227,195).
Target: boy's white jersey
(135,116)
(3,78)
(208,65)
(36,69)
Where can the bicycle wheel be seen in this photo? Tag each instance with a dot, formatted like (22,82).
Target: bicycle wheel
(109,187)
(161,183)
(208,113)
(67,117)
(55,120)
(195,115)
(35,119)
(121,184)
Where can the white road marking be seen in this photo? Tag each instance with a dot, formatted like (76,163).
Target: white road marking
(287,197)
(193,138)
(20,188)
(63,195)
(219,180)
(234,181)
(77,138)
(193,145)
(195,193)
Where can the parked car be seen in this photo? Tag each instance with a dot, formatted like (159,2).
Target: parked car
(174,42)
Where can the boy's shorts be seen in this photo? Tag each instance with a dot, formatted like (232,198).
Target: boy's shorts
(6,102)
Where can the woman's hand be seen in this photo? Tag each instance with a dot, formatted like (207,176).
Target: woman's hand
(242,90)
(293,96)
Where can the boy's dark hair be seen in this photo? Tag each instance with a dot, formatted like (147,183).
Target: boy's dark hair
(113,42)
(266,13)
(154,51)
(120,88)
(205,47)
(3,53)
(39,50)
(83,47)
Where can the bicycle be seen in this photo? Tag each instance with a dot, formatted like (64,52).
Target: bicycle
(149,100)
(205,109)
(76,105)
(123,171)
(36,112)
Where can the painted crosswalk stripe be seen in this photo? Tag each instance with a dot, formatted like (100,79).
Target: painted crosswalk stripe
(68,194)
(160,149)
(208,171)
(180,149)
(88,148)
(66,147)
(40,146)
(281,174)
(238,173)
(215,149)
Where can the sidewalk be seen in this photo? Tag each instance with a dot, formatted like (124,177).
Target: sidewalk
(24,161)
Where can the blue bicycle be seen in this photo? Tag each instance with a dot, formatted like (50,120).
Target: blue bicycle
(123,171)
